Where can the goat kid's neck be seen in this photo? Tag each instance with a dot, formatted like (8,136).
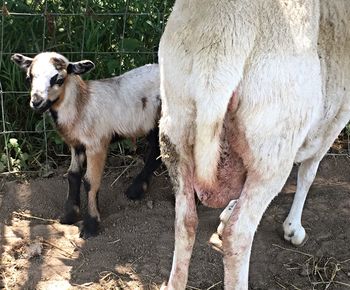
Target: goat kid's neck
(71,102)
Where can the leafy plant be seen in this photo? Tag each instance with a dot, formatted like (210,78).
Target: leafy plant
(16,159)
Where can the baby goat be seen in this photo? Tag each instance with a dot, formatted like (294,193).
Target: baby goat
(89,115)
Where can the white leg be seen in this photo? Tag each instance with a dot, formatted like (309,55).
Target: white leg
(293,230)
(238,234)
(186,221)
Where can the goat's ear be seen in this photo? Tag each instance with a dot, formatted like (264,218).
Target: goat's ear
(80,67)
(22,61)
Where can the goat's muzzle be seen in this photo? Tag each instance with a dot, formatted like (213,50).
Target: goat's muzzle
(40,105)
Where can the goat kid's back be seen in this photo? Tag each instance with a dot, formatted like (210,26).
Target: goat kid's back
(128,105)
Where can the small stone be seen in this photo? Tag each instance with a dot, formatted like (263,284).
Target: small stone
(34,249)
(304,271)
(48,174)
(150,204)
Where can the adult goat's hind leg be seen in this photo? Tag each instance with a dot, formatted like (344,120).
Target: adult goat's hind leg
(152,161)
(186,221)
(72,203)
(92,181)
(239,230)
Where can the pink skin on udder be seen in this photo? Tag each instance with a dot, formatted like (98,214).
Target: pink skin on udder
(231,173)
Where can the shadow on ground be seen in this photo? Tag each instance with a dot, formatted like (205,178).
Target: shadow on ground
(135,245)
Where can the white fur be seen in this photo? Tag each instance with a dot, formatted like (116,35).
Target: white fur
(41,73)
(290,106)
(334,47)
(115,106)
(88,115)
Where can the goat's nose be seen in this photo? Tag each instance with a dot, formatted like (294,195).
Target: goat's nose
(36,101)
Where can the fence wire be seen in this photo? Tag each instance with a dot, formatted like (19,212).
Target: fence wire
(117,35)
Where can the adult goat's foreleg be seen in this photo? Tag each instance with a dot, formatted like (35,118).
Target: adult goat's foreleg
(72,203)
(293,229)
(92,180)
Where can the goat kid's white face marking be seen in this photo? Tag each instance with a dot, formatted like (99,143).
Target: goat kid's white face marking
(46,73)
(46,82)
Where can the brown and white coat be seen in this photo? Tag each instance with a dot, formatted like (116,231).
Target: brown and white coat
(89,115)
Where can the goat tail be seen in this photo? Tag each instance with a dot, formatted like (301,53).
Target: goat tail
(209,125)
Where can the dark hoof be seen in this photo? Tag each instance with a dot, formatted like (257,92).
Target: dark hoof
(70,217)
(137,190)
(89,228)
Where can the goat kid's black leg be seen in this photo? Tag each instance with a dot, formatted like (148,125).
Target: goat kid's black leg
(92,182)
(91,222)
(141,182)
(72,203)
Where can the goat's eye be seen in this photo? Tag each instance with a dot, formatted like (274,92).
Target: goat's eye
(60,81)
(56,80)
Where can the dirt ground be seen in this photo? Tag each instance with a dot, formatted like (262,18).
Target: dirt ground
(134,248)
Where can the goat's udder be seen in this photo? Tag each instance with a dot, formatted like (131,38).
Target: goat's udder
(231,175)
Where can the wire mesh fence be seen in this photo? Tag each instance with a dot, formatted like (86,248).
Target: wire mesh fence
(116,35)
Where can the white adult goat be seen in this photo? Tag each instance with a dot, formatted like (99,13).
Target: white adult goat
(245,95)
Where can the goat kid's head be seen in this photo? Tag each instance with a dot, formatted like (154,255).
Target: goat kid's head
(47,74)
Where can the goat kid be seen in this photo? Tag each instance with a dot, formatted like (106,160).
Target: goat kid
(248,88)
(91,114)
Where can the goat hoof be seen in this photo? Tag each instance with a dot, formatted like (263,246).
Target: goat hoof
(71,214)
(296,235)
(69,218)
(89,228)
(137,190)
(306,238)
(86,235)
